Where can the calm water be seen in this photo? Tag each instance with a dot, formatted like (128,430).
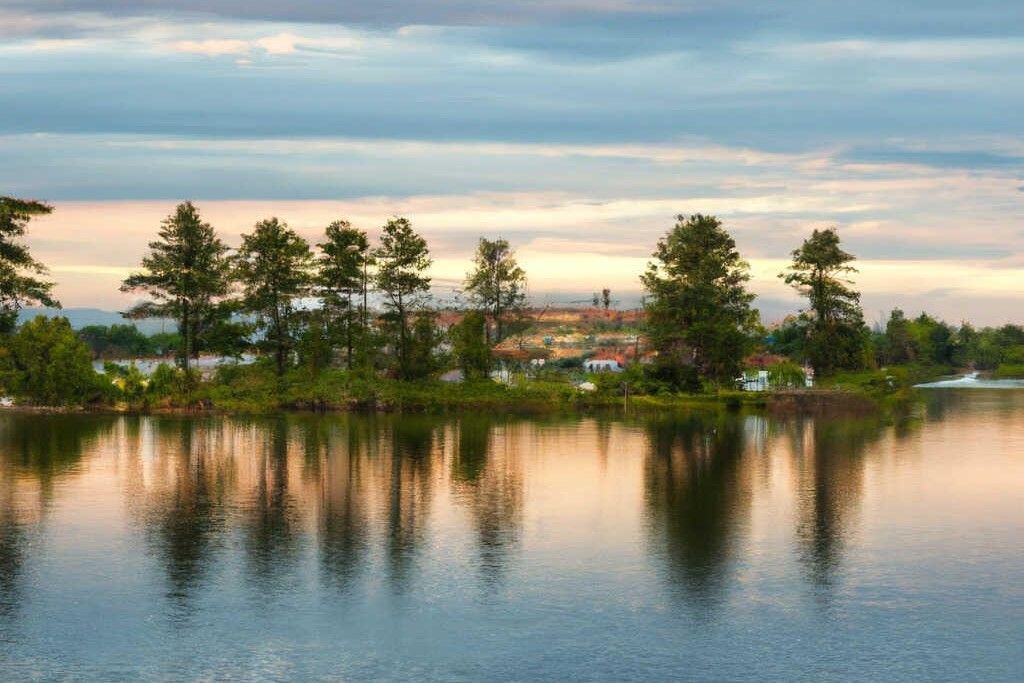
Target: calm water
(694,546)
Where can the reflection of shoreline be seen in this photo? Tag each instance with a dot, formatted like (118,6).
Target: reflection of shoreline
(364,499)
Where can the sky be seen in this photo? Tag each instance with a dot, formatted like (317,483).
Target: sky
(576,129)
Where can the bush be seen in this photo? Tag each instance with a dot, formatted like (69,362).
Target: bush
(1009,371)
(47,364)
(786,374)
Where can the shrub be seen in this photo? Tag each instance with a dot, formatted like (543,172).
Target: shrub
(46,363)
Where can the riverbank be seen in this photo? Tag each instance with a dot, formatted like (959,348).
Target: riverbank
(249,391)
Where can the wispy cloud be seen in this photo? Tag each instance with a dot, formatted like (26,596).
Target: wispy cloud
(283,43)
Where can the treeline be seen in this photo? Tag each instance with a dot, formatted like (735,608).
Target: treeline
(126,341)
(923,340)
(308,306)
(305,307)
(342,316)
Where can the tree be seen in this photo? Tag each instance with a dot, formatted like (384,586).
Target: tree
(497,285)
(187,275)
(345,256)
(595,300)
(116,341)
(274,266)
(47,364)
(424,339)
(837,334)
(698,309)
(899,344)
(19,284)
(469,344)
(402,260)
(606,298)
(932,339)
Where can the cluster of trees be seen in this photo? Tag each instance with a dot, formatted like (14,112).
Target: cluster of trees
(309,305)
(929,341)
(126,341)
(42,359)
(304,305)
(699,314)
(276,293)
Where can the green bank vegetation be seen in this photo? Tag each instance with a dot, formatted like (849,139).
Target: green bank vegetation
(346,324)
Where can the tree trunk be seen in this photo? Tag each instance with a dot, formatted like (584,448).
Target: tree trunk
(348,329)
(186,337)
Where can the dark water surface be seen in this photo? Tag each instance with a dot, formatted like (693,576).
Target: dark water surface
(689,546)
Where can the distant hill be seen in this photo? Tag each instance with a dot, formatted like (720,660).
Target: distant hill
(81,317)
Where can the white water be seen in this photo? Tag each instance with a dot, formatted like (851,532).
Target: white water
(972,381)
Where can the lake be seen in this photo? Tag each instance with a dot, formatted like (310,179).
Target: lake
(693,546)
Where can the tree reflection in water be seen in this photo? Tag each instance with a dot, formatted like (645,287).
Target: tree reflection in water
(36,452)
(697,495)
(829,471)
(487,479)
(344,521)
(409,493)
(186,502)
(273,526)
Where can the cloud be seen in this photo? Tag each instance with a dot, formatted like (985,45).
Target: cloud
(213,47)
(564,123)
(283,43)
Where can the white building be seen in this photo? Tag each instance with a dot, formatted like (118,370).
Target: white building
(610,365)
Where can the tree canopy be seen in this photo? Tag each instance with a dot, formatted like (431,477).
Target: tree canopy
(20,274)
(187,276)
(698,306)
(274,266)
(402,261)
(837,336)
(341,275)
(497,285)
(46,363)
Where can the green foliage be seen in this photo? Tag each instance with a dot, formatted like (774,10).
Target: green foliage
(121,341)
(19,285)
(168,381)
(45,363)
(423,359)
(341,277)
(314,344)
(187,275)
(497,285)
(128,380)
(274,266)
(402,261)
(469,344)
(836,335)
(926,341)
(1009,371)
(162,343)
(699,309)
(786,374)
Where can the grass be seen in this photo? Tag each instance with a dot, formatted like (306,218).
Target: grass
(1009,371)
(256,389)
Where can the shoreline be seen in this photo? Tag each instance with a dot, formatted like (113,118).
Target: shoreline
(783,402)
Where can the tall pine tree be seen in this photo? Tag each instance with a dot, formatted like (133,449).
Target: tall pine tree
(274,267)
(187,276)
